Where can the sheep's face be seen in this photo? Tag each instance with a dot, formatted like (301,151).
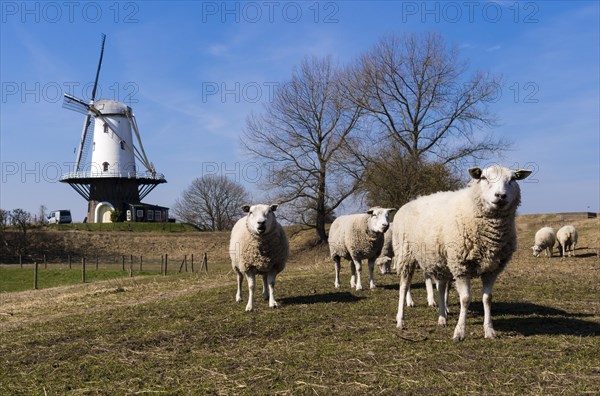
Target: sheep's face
(536,250)
(498,188)
(260,219)
(379,219)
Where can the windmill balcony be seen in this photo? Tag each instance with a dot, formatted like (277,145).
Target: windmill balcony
(99,174)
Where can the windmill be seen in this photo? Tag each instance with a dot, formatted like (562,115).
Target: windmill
(110,180)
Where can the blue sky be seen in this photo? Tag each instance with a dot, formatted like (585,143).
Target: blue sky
(193,72)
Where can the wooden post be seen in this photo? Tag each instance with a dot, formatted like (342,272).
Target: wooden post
(162,259)
(35,275)
(205,263)
(131,266)
(21,260)
(70,260)
(96,261)
(140,263)
(182,262)
(185,260)
(166,262)
(45,262)
(123,263)
(83,269)
(192,262)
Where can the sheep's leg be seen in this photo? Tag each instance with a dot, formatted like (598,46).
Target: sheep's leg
(240,280)
(488,281)
(358,265)
(405,279)
(371,278)
(463,287)
(429,287)
(442,286)
(338,266)
(271,282)
(266,294)
(353,277)
(251,276)
(409,300)
(447,295)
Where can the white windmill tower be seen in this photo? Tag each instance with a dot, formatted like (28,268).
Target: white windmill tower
(111,181)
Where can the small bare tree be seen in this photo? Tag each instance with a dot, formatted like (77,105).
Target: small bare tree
(302,135)
(417,92)
(211,203)
(21,220)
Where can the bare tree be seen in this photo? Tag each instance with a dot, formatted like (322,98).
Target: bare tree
(42,214)
(417,92)
(211,203)
(21,220)
(303,135)
(393,178)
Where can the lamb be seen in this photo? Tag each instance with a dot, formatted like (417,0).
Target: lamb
(544,241)
(387,253)
(258,245)
(567,238)
(356,237)
(458,235)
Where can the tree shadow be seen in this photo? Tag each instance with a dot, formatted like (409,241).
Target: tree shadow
(533,319)
(336,297)
(584,255)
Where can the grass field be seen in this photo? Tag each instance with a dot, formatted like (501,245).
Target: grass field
(125,226)
(184,334)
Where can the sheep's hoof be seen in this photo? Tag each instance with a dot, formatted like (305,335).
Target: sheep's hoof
(273,304)
(489,332)
(249,308)
(400,324)
(337,285)
(442,321)
(459,334)
(432,304)
(238,300)
(372,285)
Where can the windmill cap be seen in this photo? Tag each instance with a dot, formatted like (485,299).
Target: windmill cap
(108,106)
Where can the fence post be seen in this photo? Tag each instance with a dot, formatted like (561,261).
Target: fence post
(21,260)
(69,258)
(140,263)
(192,262)
(162,259)
(123,263)
(45,262)
(83,269)
(131,266)
(205,263)
(96,261)
(35,275)
(166,262)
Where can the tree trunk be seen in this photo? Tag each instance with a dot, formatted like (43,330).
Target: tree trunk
(321,207)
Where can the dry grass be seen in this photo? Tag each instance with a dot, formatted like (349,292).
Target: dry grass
(186,335)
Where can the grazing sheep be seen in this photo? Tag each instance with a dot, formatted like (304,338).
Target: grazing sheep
(567,238)
(544,241)
(258,245)
(460,235)
(386,256)
(356,237)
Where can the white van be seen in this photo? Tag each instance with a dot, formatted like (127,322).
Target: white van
(59,217)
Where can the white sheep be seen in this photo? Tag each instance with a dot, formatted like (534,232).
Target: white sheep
(458,235)
(357,237)
(258,245)
(567,238)
(386,256)
(544,241)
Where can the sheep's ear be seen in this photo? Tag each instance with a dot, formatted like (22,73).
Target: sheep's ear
(274,207)
(475,173)
(522,174)
(370,211)
(245,208)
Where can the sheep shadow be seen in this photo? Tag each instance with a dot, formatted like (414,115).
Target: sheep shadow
(533,319)
(336,297)
(396,286)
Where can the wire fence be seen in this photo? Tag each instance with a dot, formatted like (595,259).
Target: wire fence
(129,264)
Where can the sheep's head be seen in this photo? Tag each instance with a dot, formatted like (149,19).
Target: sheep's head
(379,219)
(536,250)
(261,219)
(497,187)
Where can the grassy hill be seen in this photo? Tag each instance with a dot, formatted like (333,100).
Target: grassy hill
(184,334)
